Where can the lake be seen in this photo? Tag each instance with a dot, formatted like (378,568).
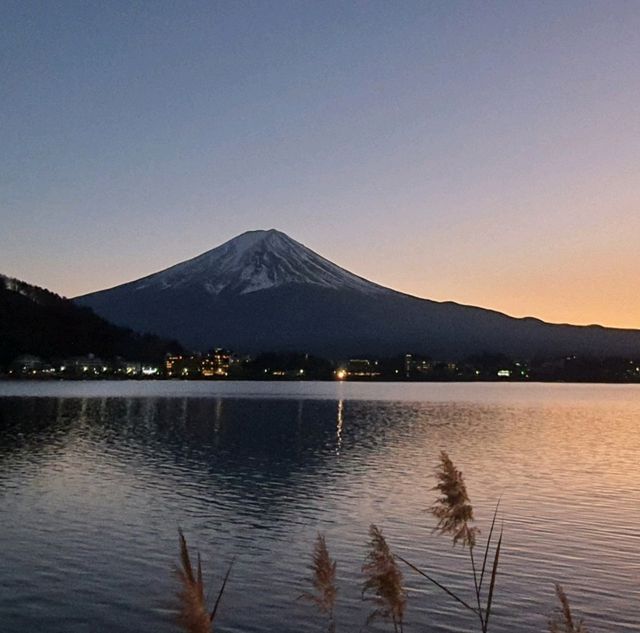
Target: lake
(97,477)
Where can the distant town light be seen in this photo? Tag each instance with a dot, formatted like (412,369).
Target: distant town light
(341,374)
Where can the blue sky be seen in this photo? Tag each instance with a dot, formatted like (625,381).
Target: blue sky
(487,153)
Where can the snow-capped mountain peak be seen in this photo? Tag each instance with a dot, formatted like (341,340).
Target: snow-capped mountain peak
(263,291)
(253,261)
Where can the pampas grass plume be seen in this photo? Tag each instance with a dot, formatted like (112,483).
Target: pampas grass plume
(384,580)
(453,508)
(323,579)
(193,615)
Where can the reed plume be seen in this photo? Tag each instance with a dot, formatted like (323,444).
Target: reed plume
(384,580)
(562,620)
(193,614)
(323,578)
(453,508)
(454,512)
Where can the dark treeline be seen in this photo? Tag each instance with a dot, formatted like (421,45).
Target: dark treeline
(412,367)
(501,367)
(36,321)
(288,365)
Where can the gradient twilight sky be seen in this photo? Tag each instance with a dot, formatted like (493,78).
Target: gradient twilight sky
(483,152)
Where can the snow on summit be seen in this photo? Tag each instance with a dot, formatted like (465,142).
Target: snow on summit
(253,261)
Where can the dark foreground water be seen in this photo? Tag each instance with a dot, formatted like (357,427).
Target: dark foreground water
(95,479)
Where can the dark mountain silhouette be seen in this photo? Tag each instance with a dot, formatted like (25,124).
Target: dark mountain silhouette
(264,291)
(36,321)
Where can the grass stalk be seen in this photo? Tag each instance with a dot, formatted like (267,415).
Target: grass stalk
(562,620)
(494,575)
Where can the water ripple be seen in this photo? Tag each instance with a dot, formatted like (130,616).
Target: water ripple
(95,479)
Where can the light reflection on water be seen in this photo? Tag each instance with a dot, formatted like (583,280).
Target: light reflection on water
(94,484)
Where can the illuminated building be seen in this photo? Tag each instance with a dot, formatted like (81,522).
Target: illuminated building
(27,364)
(415,365)
(88,365)
(212,365)
(183,366)
(216,363)
(362,368)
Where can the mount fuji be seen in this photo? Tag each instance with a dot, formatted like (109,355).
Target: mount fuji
(263,291)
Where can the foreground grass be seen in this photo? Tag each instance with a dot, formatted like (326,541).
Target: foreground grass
(383,580)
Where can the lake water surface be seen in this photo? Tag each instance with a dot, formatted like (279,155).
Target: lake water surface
(96,478)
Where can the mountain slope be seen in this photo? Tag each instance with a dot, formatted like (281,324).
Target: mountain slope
(36,321)
(264,291)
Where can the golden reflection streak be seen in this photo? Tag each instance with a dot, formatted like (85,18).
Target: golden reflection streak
(339,424)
